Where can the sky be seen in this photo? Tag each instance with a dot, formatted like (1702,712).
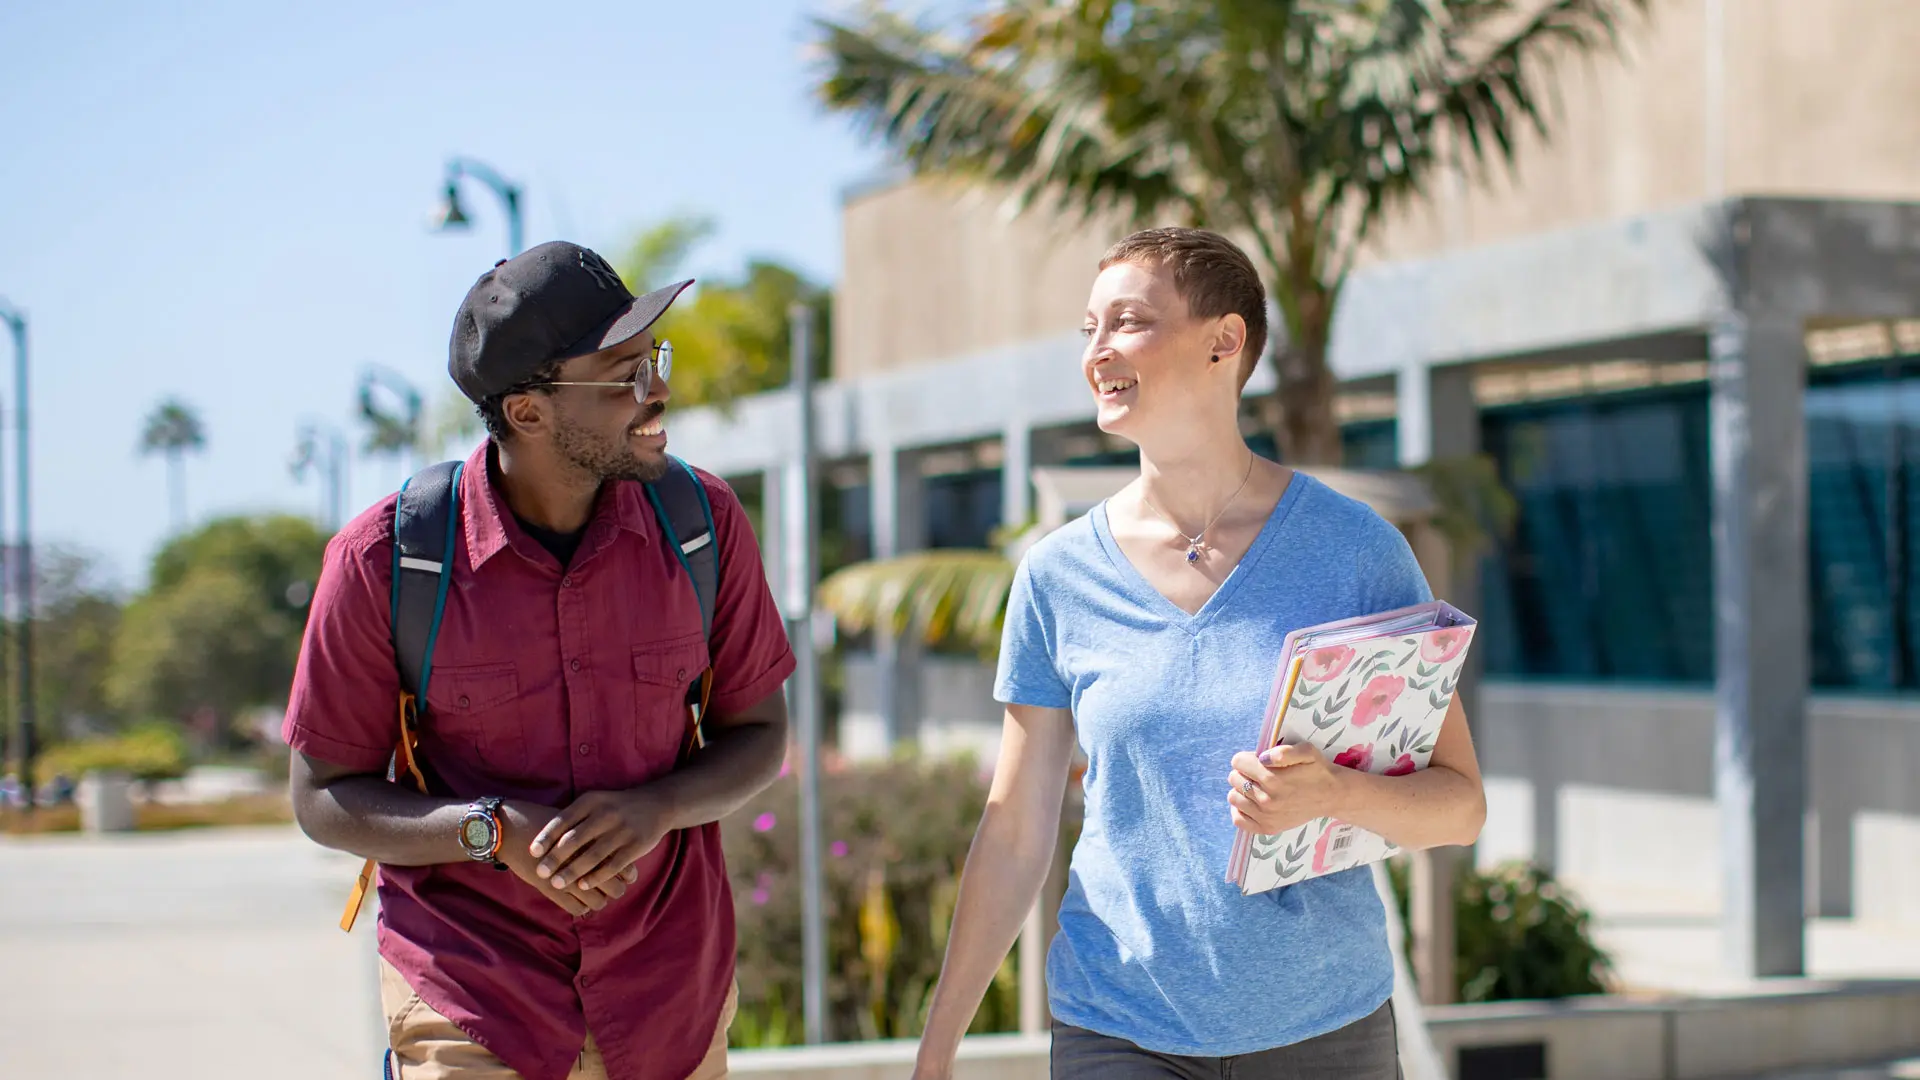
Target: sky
(229,203)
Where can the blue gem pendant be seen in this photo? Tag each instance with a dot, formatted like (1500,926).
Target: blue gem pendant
(1193,553)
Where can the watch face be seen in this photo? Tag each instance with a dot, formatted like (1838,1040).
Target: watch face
(477,833)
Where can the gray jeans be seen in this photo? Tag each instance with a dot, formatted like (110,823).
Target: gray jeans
(1367,1049)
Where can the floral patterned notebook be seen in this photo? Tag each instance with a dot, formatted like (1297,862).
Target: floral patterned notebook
(1371,693)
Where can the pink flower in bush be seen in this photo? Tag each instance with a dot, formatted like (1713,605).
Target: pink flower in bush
(761,896)
(1358,756)
(1376,701)
(839,849)
(1443,645)
(1401,767)
(1323,664)
(786,767)
(765,822)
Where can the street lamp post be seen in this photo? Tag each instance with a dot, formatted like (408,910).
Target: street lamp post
(321,448)
(23,637)
(803,566)
(452,216)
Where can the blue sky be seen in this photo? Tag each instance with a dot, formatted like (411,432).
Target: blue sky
(228,202)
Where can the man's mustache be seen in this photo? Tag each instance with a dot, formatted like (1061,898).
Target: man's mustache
(653,413)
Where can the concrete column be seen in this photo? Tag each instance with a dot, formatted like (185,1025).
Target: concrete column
(1438,419)
(899,526)
(1016,465)
(1758,432)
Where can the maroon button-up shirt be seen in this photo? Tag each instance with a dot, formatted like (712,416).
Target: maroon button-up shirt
(549,682)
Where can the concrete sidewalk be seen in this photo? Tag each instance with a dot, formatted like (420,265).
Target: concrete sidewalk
(203,954)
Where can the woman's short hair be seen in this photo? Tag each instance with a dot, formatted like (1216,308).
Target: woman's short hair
(1210,273)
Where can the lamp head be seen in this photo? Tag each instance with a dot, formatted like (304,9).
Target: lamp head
(450,216)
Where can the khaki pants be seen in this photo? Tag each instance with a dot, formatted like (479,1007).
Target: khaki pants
(428,1046)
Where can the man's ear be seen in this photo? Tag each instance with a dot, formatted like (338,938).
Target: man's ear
(527,414)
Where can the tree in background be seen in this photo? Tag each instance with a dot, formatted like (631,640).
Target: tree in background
(1292,125)
(390,407)
(173,430)
(731,337)
(218,630)
(76,619)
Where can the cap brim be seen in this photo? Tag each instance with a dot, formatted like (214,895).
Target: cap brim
(639,313)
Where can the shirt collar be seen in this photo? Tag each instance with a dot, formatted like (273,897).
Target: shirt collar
(491,527)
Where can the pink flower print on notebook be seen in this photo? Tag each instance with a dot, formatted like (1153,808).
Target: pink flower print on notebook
(1443,645)
(1359,757)
(1320,864)
(1376,700)
(1324,664)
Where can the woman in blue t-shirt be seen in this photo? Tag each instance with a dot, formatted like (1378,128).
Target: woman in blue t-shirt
(1148,630)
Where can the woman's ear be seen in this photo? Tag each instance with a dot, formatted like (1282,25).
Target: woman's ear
(1229,337)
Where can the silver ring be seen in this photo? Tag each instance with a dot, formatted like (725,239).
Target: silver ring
(1246,786)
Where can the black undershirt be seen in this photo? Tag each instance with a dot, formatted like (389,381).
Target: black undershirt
(562,544)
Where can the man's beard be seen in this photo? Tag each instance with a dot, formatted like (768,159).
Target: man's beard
(603,458)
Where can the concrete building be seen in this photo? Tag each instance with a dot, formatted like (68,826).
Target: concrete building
(1686,329)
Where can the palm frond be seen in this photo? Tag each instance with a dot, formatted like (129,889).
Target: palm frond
(173,427)
(947,595)
(1026,103)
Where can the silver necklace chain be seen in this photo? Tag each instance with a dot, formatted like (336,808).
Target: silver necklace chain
(1193,542)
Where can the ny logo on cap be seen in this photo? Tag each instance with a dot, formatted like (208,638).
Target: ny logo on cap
(597,268)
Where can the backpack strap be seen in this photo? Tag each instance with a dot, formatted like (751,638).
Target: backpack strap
(426,528)
(686,518)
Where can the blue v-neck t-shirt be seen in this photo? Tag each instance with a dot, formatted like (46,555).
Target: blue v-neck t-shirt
(1154,946)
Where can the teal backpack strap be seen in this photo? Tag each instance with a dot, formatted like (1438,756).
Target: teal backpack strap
(686,517)
(680,502)
(426,526)
(426,532)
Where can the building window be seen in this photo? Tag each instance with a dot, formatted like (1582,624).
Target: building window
(1863,461)
(1609,572)
(963,509)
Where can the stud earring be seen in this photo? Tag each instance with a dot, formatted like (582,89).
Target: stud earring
(1215,359)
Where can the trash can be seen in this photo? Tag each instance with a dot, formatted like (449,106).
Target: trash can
(106,802)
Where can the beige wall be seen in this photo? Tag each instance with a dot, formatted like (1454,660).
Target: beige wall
(1821,98)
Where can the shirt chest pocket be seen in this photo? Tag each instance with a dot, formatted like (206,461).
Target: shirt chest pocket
(473,710)
(663,671)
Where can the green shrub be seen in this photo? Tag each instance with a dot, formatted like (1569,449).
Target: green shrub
(152,751)
(896,835)
(1518,934)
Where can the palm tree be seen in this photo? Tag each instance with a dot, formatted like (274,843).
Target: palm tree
(1290,124)
(391,407)
(173,430)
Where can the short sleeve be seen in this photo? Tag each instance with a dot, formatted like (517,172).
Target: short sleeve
(1028,673)
(1390,575)
(751,655)
(342,709)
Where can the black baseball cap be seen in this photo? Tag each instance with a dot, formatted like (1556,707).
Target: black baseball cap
(551,302)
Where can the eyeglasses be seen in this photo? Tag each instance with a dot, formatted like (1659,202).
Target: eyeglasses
(660,364)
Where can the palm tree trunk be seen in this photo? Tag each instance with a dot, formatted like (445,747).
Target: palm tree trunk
(1301,413)
(177,488)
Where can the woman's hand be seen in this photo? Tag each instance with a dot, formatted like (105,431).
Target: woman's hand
(1294,785)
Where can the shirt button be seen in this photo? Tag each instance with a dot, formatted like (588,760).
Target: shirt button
(463,701)
(586,980)
(681,674)
(574,664)
(567,581)
(585,749)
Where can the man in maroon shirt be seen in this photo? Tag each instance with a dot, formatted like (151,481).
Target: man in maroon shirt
(561,668)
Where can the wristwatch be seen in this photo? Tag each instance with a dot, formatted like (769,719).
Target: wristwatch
(481,830)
